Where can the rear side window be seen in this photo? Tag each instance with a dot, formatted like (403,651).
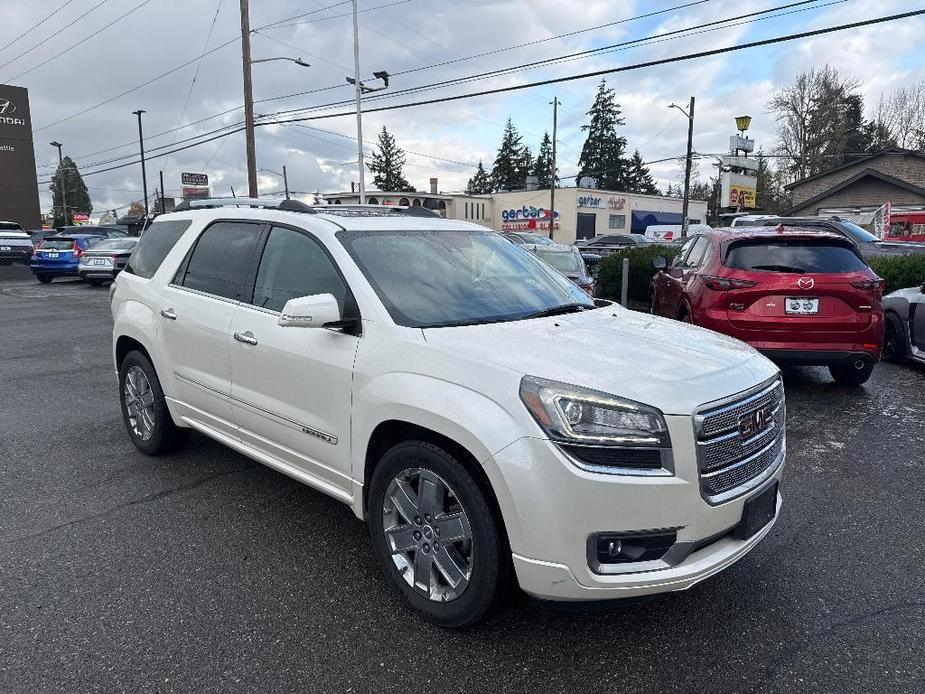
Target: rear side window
(793,256)
(221,260)
(155,244)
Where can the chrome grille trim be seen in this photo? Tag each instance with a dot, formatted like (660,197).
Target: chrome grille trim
(728,465)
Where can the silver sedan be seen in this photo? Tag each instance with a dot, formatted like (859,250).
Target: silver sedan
(904,315)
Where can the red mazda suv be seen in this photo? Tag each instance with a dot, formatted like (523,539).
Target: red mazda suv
(800,296)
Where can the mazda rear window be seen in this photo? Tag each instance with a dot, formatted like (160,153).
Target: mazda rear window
(155,244)
(795,256)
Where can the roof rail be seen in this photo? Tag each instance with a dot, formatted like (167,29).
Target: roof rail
(374,210)
(211,203)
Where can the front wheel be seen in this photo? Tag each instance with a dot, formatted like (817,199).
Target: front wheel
(144,409)
(44,279)
(853,374)
(94,281)
(894,339)
(436,536)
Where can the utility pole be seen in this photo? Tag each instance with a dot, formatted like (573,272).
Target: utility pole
(62,180)
(163,203)
(552,174)
(286,181)
(359,98)
(249,144)
(687,169)
(144,175)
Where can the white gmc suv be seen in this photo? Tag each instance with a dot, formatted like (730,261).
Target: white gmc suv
(481,412)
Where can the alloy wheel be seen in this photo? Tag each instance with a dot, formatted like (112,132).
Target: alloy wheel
(428,534)
(139,403)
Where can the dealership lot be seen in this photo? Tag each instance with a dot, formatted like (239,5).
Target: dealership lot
(207,572)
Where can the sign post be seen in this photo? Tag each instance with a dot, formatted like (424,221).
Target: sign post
(194,185)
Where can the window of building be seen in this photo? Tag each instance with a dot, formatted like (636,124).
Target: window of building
(467,211)
(403,202)
(373,201)
(617,221)
(294,265)
(222,259)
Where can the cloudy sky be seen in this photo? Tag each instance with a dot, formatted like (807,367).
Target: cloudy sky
(93,62)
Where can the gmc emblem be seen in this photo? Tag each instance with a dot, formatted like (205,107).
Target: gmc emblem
(754,422)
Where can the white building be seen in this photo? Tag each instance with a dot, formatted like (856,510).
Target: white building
(581,213)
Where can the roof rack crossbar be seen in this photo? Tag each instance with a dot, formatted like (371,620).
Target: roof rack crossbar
(212,203)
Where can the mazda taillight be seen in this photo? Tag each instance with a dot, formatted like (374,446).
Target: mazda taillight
(877,285)
(724,284)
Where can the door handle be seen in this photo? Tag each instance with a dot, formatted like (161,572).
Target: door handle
(247,338)
(169,313)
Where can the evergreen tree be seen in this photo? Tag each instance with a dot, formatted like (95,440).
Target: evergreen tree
(480,183)
(770,195)
(542,167)
(508,171)
(639,178)
(387,164)
(602,154)
(525,165)
(75,190)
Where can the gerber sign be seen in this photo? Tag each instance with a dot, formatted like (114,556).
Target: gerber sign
(526,219)
(19,194)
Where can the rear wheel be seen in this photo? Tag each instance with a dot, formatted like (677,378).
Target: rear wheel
(436,536)
(44,279)
(853,374)
(894,339)
(144,409)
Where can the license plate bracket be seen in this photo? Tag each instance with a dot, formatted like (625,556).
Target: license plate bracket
(801,306)
(757,513)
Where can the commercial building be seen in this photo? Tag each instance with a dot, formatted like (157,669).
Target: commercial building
(19,193)
(581,213)
(856,190)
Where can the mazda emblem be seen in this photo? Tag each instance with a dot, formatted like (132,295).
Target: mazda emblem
(806,283)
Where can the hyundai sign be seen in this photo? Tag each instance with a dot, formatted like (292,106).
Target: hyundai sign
(19,193)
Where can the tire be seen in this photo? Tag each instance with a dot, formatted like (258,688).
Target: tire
(44,279)
(850,375)
(152,433)
(894,339)
(684,315)
(95,281)
(483,554)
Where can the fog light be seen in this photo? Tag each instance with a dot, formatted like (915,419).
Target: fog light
(622,548)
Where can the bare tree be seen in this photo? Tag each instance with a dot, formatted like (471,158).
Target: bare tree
(819,121)
(902,115)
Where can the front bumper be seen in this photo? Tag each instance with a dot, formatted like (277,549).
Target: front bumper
(16,256)
(551,507)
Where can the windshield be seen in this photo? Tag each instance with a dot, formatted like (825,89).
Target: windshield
(859,234)
(564,261)
(535,238)
(115,245)
(793,256)
(443,278)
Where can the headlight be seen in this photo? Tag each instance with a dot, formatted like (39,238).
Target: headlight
(602,431)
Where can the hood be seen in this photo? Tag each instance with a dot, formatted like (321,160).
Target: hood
(673,366)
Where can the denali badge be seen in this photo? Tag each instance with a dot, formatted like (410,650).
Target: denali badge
(754,422)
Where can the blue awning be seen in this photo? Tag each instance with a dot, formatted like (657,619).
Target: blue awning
(642,219)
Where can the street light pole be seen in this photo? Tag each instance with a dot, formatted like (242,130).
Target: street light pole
(62,180)
(687,167)
(552,175)
(249,144)
(358,88)
(144,175)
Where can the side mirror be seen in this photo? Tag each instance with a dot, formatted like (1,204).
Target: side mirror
(315,311)
(660,262)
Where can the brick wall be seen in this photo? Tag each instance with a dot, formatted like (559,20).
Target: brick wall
(902,166)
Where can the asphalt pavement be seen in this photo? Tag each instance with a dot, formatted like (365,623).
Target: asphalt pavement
(206,572)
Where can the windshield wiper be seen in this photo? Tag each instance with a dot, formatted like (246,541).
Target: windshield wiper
(558,310)
(780,268)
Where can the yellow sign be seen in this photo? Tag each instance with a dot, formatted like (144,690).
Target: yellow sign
(739,194)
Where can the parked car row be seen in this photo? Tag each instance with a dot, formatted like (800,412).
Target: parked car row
(95,254)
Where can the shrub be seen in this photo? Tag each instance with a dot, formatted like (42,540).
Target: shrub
(641,272)
(899,271)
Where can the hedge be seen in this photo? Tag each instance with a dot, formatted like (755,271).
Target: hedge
(898,271)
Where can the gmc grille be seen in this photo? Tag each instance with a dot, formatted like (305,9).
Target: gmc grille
(732,458)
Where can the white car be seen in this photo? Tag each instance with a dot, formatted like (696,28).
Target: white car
(480,411)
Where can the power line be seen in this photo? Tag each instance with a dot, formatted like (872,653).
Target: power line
(83,40)
(37,24)
(332,16)
(557,80)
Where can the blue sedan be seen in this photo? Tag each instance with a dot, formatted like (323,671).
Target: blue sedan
(59,256)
